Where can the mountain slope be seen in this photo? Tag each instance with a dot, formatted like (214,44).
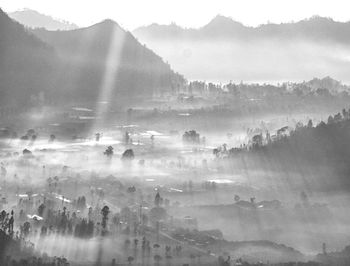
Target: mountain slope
(26,64)
(105,53)
(226,50)
(322,152)
(78,66)
(34,19)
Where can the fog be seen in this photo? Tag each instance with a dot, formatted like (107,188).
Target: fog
(234,152)
(269,61)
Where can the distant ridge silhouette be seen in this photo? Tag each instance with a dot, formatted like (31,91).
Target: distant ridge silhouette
(33,19)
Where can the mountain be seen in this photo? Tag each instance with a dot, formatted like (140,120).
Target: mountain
(105,53)
(33,19)
(222,26)
(26,64)
(83,65)
(225,49)
(315,28)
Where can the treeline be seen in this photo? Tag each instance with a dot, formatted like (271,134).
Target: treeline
(322,146)
(327,142)
(325,87)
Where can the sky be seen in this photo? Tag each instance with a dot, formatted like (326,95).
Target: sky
(131,14)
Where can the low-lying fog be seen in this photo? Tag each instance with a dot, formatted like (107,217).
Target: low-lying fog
(169,164)
(254,61)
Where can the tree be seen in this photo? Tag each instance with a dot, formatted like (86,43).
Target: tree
(128,155)
(52,138)
(330,120)
(104,212)
(223,262)
(322,125)
(157,258)
(337,118)
(109,151)
(25,228)
(25,137)
(27,152)
(30,132)
(237,198)
(309,124)
(131,189)
(41,209)
(97,137)
(257,141)
(324,249)
(127,138)
(216,152)
(130,259)
(33,139)
(191,136)
(158,200)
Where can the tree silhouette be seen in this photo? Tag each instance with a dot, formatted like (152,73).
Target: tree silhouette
(105,211)
(109,151)
(128,155)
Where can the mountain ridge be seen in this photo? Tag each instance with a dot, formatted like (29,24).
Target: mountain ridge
(225,49)
(34,19)
(226,27)
(75,65)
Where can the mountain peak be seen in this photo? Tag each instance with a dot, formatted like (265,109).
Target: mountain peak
(107,24)
(221,18)
(222,21)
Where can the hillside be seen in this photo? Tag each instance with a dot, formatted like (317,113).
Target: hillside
(319,154)
(33,19)
(106,49)
(24,58)
(78,66)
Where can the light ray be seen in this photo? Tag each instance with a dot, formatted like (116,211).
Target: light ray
(109,80)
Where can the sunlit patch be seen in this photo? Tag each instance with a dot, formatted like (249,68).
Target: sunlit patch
(103,141)
(175,190)
(126,126)
(35,217)
(221,181)
(83,109)
(155,133)
(63,199)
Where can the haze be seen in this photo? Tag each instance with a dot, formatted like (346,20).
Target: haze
(211,141)
(135,13)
